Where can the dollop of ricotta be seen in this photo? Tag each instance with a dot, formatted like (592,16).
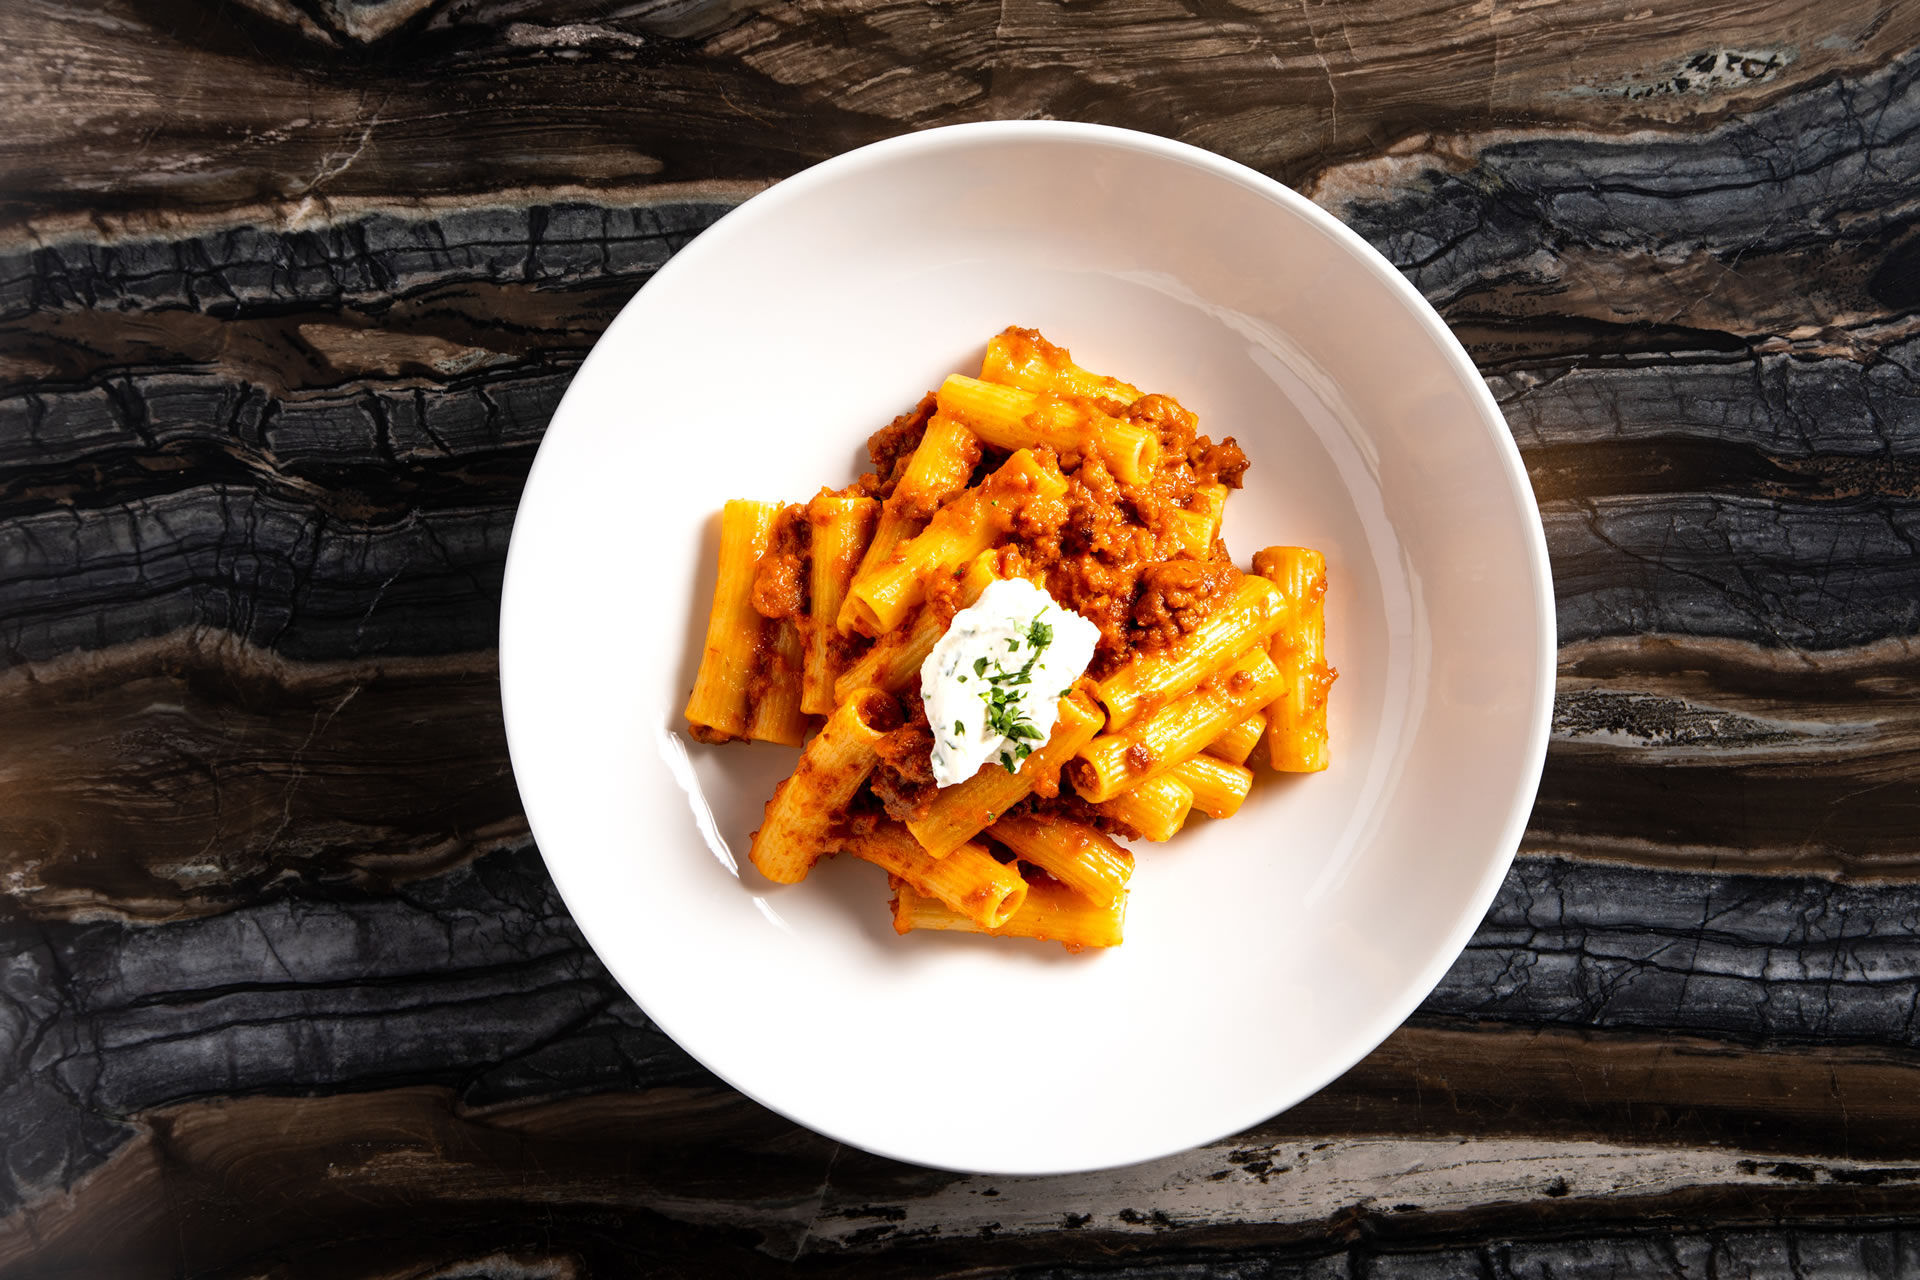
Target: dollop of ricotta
(993,683)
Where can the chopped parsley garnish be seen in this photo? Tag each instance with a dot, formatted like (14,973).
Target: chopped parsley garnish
(1004,715)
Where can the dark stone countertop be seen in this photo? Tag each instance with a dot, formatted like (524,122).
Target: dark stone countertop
(289,290)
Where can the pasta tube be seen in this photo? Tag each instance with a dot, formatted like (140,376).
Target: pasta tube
(1019,357)
(945,457)
(1196,530)
(1193,531)
(938,469)
(842,527)
(1071,852)
(1150,747)
(894,661)
(968,881)
(1239,740)
(962,529)
(1297,721)
(960,813)
(1156,808)
(1218,787)
(777,716)
(718,703)
(796,827)
(1010,418)
(1243,620)
(1051,913)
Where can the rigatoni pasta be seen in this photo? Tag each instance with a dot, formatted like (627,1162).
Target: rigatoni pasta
(717,709)
(1247,618)
(1015,644)
(1073,853)
(894,660)
(1237,741)
(777,714)
(1297,726)
(1218,786)
(1051,913)
(960,813)
(880,600)
(1155,809)
(1147,748)
(798,825)
(969,881)
(938,468)
(1022,358)
(1015,419)
(842,526)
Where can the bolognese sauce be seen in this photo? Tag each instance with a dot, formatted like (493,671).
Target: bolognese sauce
(1009,527)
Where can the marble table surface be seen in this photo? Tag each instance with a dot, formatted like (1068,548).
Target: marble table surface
(289,290)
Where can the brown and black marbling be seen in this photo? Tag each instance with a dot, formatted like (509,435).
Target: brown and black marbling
(288,292)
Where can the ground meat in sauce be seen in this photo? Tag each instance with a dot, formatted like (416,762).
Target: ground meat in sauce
(764,665)
(1175,596)
(779,586)
(1176,427)
(780,577)
(1101,560)
(1222,463)
(847,647)
(863,815)
(903,780)
(1139,757)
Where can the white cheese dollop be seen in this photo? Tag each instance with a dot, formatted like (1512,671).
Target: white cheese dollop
(994,682)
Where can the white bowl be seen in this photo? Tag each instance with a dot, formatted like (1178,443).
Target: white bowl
(1264,955)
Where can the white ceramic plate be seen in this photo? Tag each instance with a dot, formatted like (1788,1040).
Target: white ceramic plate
(1264,955)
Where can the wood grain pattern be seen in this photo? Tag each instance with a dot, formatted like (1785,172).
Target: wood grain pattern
(478,975)
(288,291)
(639,1177)
(187,775)
(620,97)
(1690,754)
